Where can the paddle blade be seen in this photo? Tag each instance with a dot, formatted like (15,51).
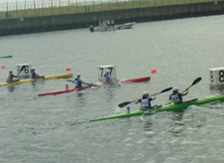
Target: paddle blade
(125,104)
(70,81)
(196,81)
(167,89)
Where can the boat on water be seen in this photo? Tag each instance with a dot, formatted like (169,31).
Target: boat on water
(108,25)
(68,90)
(7,56)
(168,107)
(65,75)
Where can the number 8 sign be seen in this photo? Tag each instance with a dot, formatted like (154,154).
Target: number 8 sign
(217,76)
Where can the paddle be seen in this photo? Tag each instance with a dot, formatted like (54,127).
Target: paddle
(23,67)
(193,83)
(70,81)
(91,84)
(197,80)
(123,104)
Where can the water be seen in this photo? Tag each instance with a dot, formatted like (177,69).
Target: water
(55,129)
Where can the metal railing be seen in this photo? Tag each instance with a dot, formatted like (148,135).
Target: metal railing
(57,7)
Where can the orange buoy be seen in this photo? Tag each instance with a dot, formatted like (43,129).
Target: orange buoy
(153,70)
(3,67)
(68,68)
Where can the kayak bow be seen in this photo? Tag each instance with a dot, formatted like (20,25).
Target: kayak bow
(7,56)
(170,107)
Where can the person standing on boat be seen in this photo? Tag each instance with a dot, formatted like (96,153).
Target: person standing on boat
(12,77)
(145,101)
(34,75)
(107,78)
(78,82)
(176,97)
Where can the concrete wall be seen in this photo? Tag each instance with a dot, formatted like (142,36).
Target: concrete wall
(84,20)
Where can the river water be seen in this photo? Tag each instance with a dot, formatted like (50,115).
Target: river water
(56,129)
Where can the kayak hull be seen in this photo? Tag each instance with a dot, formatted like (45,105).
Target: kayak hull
(7,56)
(62,91)
(135,80)
(141,79)
(65,75)
(170,107)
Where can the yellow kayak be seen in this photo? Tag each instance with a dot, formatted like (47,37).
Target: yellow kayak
(66,75)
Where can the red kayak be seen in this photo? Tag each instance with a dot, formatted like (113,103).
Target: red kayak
(63,91)
(141,79)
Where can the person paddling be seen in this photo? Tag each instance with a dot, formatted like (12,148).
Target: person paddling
(176,97)
(34,75)
(12,77)
(107,78)
(78,82)
(145,101)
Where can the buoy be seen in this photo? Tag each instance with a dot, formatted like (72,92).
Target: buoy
(68,68)
(3,67)
(153,70)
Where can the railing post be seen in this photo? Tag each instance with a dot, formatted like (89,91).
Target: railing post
(101,5)
(42,7)
(17,10)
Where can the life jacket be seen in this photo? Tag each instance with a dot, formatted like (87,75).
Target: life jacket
(10,78)
(107,79)
(146,102)
(33,75)
(176,98)
(78,82)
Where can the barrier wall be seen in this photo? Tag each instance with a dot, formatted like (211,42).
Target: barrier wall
(84,20)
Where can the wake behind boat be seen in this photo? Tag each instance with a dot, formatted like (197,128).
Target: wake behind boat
(169,107)
(108,25)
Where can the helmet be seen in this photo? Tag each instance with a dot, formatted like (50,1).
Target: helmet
(145,93)
(78,74)
(10,71)
(175,89)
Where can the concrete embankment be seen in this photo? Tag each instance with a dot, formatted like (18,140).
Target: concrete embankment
(84,20)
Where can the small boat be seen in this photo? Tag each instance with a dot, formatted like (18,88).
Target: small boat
(135,80)
(68,90)
(168,107)
(7,56)
(65,75)
(108,25)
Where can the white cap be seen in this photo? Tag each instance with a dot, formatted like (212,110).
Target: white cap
(175,89)
(145,93)
(78,74)
(107,71)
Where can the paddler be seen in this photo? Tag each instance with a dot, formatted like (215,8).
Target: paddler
(107,77)
(12,77)
(176,97)
(78,82)
(34,75)
(145,101)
